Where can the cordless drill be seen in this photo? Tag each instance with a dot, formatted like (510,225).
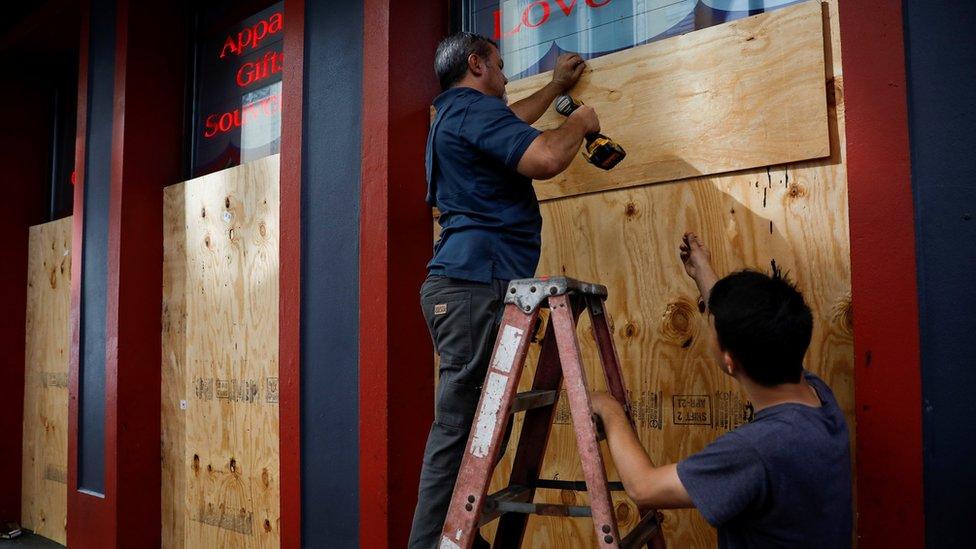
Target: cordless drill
(600,150)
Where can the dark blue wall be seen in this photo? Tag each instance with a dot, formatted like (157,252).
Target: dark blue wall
(330,273)
(941,60)
(94,277)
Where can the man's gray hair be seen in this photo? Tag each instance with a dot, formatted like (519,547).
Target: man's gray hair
(451,59)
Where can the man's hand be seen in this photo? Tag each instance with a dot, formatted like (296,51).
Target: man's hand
(695,256)
(603,404)
(587,117)
(569,67)
(698,264)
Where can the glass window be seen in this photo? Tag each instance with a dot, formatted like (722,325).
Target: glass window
(531,34)
(237,112)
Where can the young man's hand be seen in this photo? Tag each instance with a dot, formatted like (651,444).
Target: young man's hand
(569,67)
(694,255)
(604,404)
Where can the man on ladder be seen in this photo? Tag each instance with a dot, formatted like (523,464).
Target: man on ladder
(481,158)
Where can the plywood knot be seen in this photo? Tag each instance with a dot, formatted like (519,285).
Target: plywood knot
(677,324)
(203,212)
(265,477)
(835,92)
(262,229)
(567,497)
(796,192)
(196,463)
(623,512)
(630,330)
(232,465)
(267,525)
(842,315)
(631,210)
(54,279)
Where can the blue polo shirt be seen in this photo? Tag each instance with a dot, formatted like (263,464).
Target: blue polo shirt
(489,215)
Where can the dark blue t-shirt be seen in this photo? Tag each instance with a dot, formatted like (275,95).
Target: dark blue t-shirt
(489,215)
(783,480)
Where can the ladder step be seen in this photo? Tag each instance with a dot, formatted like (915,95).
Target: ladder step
(641,533)
(534,399)
(546,509)
(577,485)
(509,494)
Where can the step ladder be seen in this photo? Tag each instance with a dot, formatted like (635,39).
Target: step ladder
(560,357)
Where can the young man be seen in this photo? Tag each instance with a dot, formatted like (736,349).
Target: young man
(481,158)
(783,480)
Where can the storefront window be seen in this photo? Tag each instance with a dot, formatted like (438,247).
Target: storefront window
(237,112)
(531,34)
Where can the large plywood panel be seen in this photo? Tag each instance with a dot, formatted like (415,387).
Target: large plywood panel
(740,95)
(793,214)
(223,397)
(45,446)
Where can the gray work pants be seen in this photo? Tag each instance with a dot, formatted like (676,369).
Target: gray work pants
(463,319)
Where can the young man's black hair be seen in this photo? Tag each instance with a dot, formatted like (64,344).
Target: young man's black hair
(763,322)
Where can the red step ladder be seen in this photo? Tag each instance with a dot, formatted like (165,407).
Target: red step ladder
(560,357)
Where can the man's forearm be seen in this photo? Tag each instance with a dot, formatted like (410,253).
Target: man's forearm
(532,107)
(633,464)
(705,282)
(563,143)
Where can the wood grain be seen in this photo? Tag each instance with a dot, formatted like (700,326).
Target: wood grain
(228,474)
(627,237)
(740,95)
(45,447)
(174,380)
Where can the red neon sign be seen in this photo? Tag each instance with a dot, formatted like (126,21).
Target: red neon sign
(250,73)
(538,13)
(252,36)
(216,124)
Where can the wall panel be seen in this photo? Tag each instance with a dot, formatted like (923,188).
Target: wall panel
(44,509)
(740,95)
(221,402)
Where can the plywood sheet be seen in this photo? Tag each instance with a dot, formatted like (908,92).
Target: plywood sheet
(740,95)
(627,236)
(45,447)
(228,474)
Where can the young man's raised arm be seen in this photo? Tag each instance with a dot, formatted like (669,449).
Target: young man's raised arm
(649,486)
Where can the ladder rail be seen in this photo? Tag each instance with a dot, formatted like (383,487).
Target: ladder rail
(594,472)
(491,418)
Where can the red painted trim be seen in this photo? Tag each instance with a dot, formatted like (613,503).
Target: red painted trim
(289,276)
(886,341)
(147,137)
(396,359)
